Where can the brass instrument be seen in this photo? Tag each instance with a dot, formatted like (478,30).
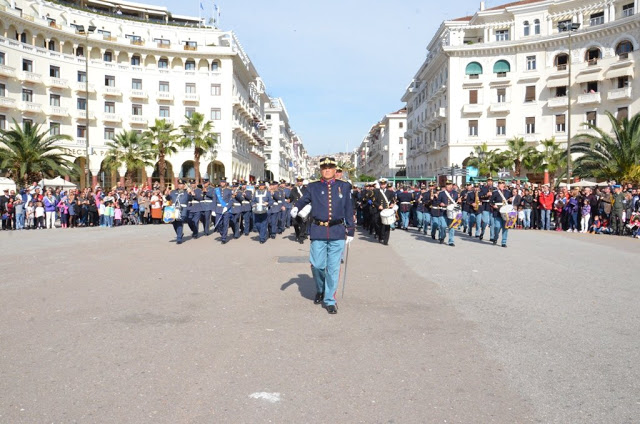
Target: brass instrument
(476,203)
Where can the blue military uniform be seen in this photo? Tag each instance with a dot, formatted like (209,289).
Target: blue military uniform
(498,198)
(288,206)
(180,199)
(262,196)
(436,214)
(208,205)
(470,201)
(247,196)
(274,211)
(224,203)
(195,211)
(331,221)
(445,222)
(405,200)
(298,224)
(485,217)
(236,211)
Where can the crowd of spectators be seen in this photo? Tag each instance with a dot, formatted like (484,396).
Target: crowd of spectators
(36,207)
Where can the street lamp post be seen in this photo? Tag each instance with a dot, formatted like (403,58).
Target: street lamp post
(81,30)
(570,27)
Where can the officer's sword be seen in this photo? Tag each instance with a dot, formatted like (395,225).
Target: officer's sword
(219,221)
(346,262)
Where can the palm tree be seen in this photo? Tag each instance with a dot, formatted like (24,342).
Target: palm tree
(29,154)
(130,149)
(198,134)
(517,152)
(348,168)
(488,161)
(164,143)
(549,160)
(604,156)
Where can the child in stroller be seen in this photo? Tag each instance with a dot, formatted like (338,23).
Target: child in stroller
(634,225)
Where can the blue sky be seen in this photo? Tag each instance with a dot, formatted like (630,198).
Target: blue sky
(338,65)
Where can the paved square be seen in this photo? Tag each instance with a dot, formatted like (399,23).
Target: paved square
(122,325)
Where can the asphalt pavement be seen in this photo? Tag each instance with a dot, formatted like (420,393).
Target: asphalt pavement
(123,325)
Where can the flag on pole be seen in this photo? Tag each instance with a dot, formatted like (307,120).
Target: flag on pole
(201,6)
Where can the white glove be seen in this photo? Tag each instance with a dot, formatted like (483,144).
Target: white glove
(224,210)
(294,212)
(213,213)
(349,239)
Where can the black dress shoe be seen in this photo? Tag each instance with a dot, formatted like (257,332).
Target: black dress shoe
(433,237)
(441,241)
(494,242)
(179,242)
(504,245)
(452,244)
(224,241)
(195,236)
(386,243)
(319,298)
(480,237)
(332,309)
(262,241)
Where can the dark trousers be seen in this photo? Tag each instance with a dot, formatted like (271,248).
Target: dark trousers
(262,222)
(223,227)
(177,227)
(205,218)
(273,223)
(246,222)
(382,230)
(194,221)
(300,227)
(616,222)
(235,223)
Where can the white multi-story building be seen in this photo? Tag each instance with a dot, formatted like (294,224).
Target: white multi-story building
(279,149)
(143,64)
(504,73)
(383,151)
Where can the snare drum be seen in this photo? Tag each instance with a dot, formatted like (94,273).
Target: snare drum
(304,212)
(388,216)
(505,210)
(259,209)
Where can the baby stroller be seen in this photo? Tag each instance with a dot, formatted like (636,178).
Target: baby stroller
(130,219)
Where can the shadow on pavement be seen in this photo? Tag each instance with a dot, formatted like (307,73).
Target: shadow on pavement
(306,285)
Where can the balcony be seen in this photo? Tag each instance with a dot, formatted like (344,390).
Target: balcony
(623,93)
(30,107)
(472,109)
(138,94)
(81,87)
(7,71)
(191,97)
(190,48)
(558,102)
(111,117)
(112,91)
(53,82)
(135,42)
(164,96)
(30,77)
(400,163)
(501,107)
(57,111)
(589,99)
(7,102)
(138,120)
(166,119)
(163,45)
(440,114)
(82,114)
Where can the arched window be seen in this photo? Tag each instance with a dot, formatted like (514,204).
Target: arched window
(561,61)
(135,60)
(624,47)
(473,69)
(536,27)
(501,68)
(592,55)
(190,65)
(215,66)
(526,28)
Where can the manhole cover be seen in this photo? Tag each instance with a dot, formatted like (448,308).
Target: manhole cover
(293,259)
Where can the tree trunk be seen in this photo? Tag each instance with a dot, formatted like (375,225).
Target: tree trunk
(196,165)
(161,169)
(518,167)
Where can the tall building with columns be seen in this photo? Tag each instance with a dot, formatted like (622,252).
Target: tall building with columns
(144,63)
(383,151)
(504,73)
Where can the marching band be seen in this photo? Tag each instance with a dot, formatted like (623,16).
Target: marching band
(265,207)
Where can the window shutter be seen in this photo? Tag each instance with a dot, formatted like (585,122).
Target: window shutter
(560,119)
(501,122)
(473,97)
(530,120)
(591,116)
(530,94)
(623,113)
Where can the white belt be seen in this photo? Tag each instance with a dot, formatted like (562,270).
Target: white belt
(405,203)
(245,202)
(208,201)
(195,201)
(236,204)
(184,206)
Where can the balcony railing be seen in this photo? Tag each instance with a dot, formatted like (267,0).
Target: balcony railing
(81,86)
(558,102)
(630,11)
(470,109)
(82,114)
(500,107)
(623,93)
(138,94)
(596,21)
(191,97)
(30,77)
(163,45)
(135,42)
(138,120)
(111,117)
(57,111)
(164,95)
(589,98)
(191,48)
(30,107)
(57,82)
(7,102)
(112,91)
(7,71)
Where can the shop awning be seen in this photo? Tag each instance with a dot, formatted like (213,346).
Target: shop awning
(617,73)
(558,82)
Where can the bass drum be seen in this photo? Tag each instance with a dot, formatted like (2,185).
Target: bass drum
(388,216)
(453,210)
(505,210)
(259,209)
